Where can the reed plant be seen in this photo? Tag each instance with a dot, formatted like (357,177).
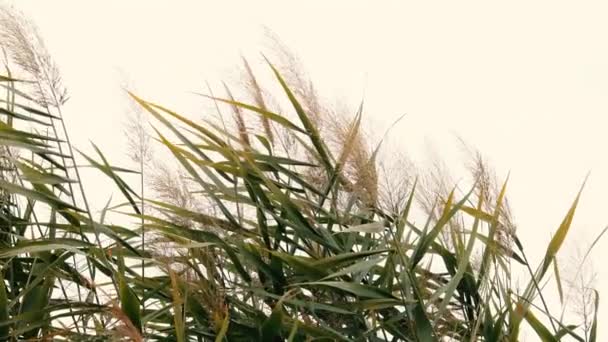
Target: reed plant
(272,225)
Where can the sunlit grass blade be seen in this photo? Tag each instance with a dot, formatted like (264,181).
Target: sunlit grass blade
(560,235)
(309,126)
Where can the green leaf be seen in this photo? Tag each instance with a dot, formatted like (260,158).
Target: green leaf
(427,240)
(593,333)
(558,280)
(34,304)
(34,176)
(271,329)
(560,235)
(129,303)
(107,169)
(542,331)
(343,258)
(424,329)
(463,265)
(9,79)
(44,245)
(309,126)
(359,290)
(265,113)
(4,315)
(48,198)
(359,267)
(302,265)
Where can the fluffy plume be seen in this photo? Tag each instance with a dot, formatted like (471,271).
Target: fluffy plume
(26,49)
(238,119)
(257,93)
(359,170)
(138,138)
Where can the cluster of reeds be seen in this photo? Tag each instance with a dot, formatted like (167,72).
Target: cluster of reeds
(277,226)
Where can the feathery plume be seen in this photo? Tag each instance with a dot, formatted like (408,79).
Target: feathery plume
(256,92)
(27,50)
(238,118)
(138,138)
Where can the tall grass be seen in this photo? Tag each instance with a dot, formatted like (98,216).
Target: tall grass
(297,241)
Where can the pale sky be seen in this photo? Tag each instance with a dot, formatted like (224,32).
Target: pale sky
(525,82)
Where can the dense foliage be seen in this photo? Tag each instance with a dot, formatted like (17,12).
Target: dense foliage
(296,241)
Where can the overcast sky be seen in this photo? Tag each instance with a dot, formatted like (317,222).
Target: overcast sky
(524,82)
